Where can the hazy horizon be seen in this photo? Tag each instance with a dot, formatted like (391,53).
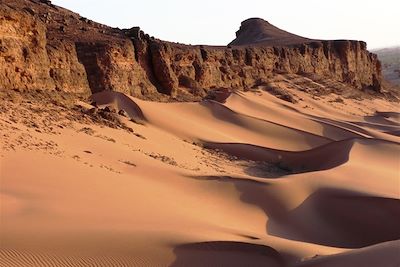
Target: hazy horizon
(215,23)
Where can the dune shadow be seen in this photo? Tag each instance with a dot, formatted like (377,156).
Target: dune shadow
(329,217)
(394,133)
(378,127)
(265,170)
(342,129)
(355,129)
(226,253)
(270,163)
(380,121)
(224,113)
(383,118)
(228,179)
(341,218)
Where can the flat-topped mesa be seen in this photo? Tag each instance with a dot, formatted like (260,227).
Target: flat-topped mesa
(256,31)
(259,52)
(43,46)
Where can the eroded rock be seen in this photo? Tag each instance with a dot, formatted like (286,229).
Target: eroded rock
(57,54)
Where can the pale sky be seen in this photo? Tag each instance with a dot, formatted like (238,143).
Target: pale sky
(215,22)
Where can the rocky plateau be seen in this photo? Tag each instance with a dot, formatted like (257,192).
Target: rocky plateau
(43,46)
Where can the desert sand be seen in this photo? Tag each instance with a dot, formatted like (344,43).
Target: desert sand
(121,149)
(252,181)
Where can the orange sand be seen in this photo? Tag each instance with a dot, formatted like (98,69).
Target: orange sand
(280,185)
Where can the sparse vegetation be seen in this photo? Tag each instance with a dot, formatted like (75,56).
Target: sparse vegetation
(127,162)
(163,158)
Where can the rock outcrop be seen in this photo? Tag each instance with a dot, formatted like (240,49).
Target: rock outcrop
(43,46)
(24,61)
(256,31)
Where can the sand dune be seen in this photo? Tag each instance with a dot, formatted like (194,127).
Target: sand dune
(120,102)
(253,181)
(339,213)
(212,121)
(321,158)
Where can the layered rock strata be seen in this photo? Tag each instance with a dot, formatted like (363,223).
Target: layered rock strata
(43,46)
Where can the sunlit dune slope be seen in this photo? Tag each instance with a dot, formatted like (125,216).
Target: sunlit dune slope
(253,181)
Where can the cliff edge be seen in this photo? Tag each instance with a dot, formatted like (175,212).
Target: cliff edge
(43,46)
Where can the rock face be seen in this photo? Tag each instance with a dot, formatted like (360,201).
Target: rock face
(46,47)
(24,61)
(247,67)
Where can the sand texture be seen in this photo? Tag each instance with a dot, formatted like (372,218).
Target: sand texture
(250,181)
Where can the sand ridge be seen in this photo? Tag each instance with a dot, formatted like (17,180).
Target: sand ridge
(254,180)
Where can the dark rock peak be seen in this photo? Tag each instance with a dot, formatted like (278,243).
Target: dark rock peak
(256,31)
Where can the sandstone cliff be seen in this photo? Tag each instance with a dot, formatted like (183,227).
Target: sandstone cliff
(43,46)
